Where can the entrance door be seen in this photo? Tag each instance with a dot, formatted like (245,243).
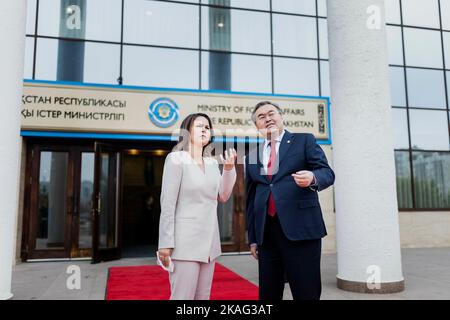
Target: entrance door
(58,202)
(105,209)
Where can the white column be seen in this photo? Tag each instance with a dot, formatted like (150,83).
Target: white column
(12,39)
(367,228)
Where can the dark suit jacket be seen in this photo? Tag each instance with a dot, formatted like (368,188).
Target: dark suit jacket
(298,209)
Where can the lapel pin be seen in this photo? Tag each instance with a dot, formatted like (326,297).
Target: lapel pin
(289,141)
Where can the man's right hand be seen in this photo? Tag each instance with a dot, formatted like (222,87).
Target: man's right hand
(164,255)
(254,251)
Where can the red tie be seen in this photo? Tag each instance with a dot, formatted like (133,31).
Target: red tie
(271,210)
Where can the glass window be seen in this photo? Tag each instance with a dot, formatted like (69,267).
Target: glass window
(431,179)
(403,176)
(104,70)
(448,84)
(161,23)
(28,63)
(445,12)
(86,191)
(99,20)
(423,48)
(429,129)
(323,38)
(225,29)
(446,36)
(31,16)
(426,88)
(421,13)
(248,4)
(95,70)
(294,36)
(397,83)
(325,78)
(296,76)
(400,125)
(103,20)
(238,72)
(392,8)
(295,6)
(160,67)
(49,17)
(395,46)
(46,59)
(52,207)
(322,8)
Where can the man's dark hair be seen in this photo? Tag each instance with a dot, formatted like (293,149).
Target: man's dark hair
(263,103)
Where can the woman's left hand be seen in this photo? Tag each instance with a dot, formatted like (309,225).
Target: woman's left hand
(229,160)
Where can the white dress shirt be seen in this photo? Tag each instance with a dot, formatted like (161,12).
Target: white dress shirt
(266,149)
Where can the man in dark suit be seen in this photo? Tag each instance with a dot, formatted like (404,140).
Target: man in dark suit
(284,218)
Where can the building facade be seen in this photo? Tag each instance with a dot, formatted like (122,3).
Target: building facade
(258,48)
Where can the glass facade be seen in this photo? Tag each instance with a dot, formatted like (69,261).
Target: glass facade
(265,46)
(419,57)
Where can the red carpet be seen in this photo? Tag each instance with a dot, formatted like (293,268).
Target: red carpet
(152,283)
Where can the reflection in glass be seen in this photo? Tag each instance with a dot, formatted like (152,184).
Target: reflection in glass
(248,4)
(400,123)
(28,62)
(397,83)
(403,175)
(395,47)
(432,179)
(294,36)
(325,78)
(31,16)
(85,205)
(426,88)
(219,64)
(446,36)
(445,13)
(421,13)
(91,19)
(323,39)
(157,67)
(161,23)
(52,200)
(392,11)
(104,70)
(294,6)
(248,73)
(245,37)
(225,217)
(322,8)
(296,76)
(423,48)
(107,206)
(429,130)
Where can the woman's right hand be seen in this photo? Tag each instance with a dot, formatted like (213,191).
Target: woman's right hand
(164,255)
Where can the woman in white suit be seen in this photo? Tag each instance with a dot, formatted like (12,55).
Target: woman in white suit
(191,187)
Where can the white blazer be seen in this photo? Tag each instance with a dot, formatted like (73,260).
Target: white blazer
(189,196)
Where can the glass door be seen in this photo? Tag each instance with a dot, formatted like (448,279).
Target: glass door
(58,202)
(105,209)
(50,205)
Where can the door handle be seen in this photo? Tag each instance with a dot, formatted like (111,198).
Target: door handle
(75,204)
(99,203)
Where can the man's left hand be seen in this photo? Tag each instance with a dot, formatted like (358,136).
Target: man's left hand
(303,178)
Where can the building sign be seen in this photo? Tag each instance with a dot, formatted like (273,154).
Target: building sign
(116,109)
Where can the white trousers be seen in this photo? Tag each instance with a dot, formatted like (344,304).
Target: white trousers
(191,280)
